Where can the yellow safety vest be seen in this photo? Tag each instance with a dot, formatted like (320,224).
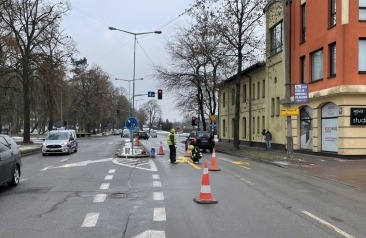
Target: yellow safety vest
(169,141)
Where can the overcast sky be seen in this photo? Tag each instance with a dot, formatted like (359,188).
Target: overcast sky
(88,21)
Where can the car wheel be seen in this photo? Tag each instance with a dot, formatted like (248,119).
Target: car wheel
(76,149)
(16,177)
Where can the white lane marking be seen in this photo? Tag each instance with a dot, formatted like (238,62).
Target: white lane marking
(155,176)
(90,220)
(159,214)
(156,184)
(48,167)
(158,196)
(100,197)
(111,171)
(108,177)
(104,186)
(151,234)
(336,229)
(153,166)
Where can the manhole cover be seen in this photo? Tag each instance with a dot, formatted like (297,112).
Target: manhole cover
(120,195)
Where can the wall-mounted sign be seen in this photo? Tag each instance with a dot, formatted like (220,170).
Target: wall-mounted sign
(290,112)
(358,116)
(301,93)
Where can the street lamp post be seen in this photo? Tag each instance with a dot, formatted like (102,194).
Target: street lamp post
(129,94)
(134,57)
(134,67)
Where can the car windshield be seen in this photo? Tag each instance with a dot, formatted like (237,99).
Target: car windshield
(57,136)
(203,134)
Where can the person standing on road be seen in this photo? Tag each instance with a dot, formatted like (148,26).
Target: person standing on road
(268,138)
(171,139)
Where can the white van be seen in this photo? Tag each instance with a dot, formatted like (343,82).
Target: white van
(125,133)
(60,141)
(153,134)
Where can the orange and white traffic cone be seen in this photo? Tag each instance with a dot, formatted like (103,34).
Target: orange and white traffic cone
(137,141)
(205,194)
(213,165)
(161,150)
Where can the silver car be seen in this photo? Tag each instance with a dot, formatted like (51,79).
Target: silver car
(60,141)
(10,161)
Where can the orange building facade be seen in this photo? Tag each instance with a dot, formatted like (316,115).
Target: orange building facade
(327,48)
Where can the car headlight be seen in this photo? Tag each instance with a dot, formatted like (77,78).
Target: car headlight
(64,144)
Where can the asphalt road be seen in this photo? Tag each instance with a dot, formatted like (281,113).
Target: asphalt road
(93,193)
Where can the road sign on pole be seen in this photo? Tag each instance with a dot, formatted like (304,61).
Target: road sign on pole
(151,94)
(131,123)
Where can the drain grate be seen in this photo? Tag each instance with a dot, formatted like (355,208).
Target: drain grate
(120,195)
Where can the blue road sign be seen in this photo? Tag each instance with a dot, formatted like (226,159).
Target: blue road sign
(151,94)
(131,123)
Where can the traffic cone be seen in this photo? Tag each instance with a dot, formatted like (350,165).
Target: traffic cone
(161,151)
(213,165)
(205,194)
(137,141)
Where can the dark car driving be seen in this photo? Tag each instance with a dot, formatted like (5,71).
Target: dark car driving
(143,135)
(202,139)
(10,161)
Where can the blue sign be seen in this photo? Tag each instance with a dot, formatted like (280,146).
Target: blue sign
(301,93)
(151,94)
(131,123)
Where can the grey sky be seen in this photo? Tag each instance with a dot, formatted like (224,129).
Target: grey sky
(88,21)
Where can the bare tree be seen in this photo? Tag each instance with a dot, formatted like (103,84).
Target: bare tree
(239,22)
(153,110)
(29,22)
(197,57)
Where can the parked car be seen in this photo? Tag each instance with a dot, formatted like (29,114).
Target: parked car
(117,131)
(10,161)
(202,139)
(153,134)
(143,135)
(60,141)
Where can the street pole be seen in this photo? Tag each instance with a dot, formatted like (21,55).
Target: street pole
(289,139)
(134,67)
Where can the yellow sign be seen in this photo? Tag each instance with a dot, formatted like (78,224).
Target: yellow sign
(290,112)
(213,118)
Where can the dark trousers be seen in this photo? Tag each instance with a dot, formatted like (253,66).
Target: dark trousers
(172,153)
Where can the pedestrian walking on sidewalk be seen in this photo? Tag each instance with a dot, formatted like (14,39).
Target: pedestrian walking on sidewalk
(268,138)
(172,142)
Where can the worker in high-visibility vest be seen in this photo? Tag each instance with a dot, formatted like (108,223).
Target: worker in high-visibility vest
(172,140)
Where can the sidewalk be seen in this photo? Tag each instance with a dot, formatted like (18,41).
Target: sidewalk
(348,172)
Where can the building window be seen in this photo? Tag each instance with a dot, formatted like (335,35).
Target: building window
(253,92)
(278,105)
(332,59)
(253,126)
(276,38)
(224,128)
(244,93)
(302,69)
(272,107)
(303,22)
(244,127)
(259,90)
(258,125)
(317,65)
(223,99)
(264,89)
(332,12)
(233,97)
(362,10)
(263,122)
(362,55)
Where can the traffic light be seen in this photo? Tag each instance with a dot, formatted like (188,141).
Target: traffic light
(194,121)
(160,94)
